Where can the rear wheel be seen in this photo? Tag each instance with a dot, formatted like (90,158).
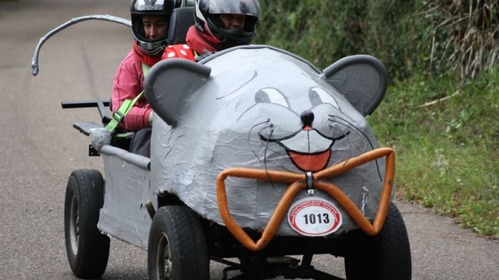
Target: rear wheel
(87,249)
(177,247)
(383,257)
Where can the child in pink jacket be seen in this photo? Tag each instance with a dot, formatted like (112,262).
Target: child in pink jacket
(220,24)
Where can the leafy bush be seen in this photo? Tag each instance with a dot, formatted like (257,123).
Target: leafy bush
(465,35)
(407,36)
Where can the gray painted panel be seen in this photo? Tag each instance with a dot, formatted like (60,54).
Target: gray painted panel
(247,114)
(124,215)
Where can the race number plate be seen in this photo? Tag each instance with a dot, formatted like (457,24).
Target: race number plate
(313,216)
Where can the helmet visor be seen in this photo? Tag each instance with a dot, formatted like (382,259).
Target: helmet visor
(241,7)
(151,7)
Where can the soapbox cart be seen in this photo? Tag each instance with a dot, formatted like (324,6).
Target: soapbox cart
(259,161)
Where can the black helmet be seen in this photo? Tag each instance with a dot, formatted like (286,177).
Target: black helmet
(208,22)
(139,8)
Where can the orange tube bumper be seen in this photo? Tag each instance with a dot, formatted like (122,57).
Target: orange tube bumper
(298,182)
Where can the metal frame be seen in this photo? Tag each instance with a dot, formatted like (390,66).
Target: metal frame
(298,183)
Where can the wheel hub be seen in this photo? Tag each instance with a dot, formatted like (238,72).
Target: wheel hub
(165,264)
(74,225)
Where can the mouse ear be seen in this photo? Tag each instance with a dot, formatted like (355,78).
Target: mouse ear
(362,79)
(170,86)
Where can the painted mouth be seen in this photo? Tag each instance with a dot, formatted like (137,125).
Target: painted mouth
(308,149)
(310,162)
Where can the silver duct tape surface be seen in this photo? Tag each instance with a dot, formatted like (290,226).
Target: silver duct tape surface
(124,215)
(247,114)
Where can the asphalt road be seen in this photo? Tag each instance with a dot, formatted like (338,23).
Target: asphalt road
(39,149)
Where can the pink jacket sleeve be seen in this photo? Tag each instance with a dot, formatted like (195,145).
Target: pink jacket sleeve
(127,84)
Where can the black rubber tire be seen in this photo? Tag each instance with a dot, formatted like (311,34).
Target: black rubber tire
(87,249)
(177,246)
(386,256)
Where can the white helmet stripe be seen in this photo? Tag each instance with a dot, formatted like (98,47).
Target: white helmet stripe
(151,2)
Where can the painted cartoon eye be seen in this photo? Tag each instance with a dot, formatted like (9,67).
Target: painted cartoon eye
(271,95)
(319,96)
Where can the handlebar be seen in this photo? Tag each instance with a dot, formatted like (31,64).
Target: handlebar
(34,61)
(100,104)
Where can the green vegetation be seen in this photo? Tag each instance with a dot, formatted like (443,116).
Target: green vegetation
(441,109)
(446,136)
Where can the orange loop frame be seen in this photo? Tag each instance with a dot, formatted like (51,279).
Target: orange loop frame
(297,182)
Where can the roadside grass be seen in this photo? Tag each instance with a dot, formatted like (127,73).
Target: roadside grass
(446,134)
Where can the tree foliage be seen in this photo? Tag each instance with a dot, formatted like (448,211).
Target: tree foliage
(466,33)
(435,36)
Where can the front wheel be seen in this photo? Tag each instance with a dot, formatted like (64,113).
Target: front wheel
(86,247)
(177,246)
(386,256)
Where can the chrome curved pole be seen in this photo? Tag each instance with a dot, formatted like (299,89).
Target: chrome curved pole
(34,61)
